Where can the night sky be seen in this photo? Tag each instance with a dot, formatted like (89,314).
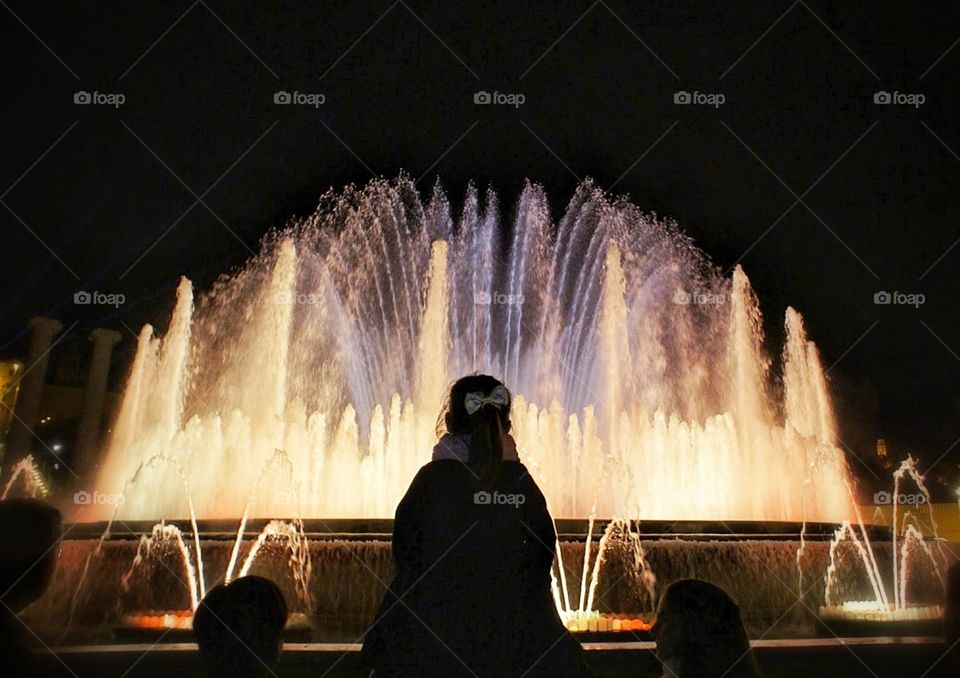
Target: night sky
(824,196)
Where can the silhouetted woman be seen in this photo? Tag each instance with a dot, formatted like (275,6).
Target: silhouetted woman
(473,545)
(700,634)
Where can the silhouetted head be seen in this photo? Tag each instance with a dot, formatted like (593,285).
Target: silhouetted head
(699,633)
(479,406)
(239,628)
(29,546)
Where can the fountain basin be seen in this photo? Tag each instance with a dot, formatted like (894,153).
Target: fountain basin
(600,627)
(351,566)
(865,619)
(567,528)
(175,626)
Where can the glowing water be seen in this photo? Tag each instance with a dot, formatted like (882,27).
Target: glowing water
(163,535)
(25,480)
(641,386)
(623,533)
(164,538)
(917,546)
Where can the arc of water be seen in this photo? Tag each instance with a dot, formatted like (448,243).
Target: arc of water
(256,546)
(586,559)
(588,296)
(235,551)
(876,583)
(563,581)
(873,570)
(278,456)
(162,532)
(908,467)
(912,535)
(35,484)
(520,250)
(141,469)
(296,542)
(595,576)
(563,573)
(399,326)
(433,347)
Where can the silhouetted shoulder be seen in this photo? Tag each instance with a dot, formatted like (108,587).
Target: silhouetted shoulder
(442,470)
(521,476)
(442,467)
(514,472)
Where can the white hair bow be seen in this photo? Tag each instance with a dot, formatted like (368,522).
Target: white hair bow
(498,398)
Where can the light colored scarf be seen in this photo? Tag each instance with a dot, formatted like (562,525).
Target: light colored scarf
(457,447)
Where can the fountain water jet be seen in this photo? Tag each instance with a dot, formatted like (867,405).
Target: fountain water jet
(890,597)
(31,482)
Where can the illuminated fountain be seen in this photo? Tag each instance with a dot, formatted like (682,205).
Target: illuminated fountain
(641,388)
(306,386)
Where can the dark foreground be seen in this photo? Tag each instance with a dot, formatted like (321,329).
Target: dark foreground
(848,658)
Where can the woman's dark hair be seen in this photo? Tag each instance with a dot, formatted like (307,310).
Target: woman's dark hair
(706,634)
(485,427)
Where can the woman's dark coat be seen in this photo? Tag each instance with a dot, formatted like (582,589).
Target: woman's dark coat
(471,596)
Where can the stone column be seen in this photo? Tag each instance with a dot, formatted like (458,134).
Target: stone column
(89,431)
(34,376)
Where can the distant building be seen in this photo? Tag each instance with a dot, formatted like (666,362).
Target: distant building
(881,448)
(58,415)
(10,373)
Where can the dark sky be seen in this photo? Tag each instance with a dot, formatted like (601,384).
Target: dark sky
(876,183)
